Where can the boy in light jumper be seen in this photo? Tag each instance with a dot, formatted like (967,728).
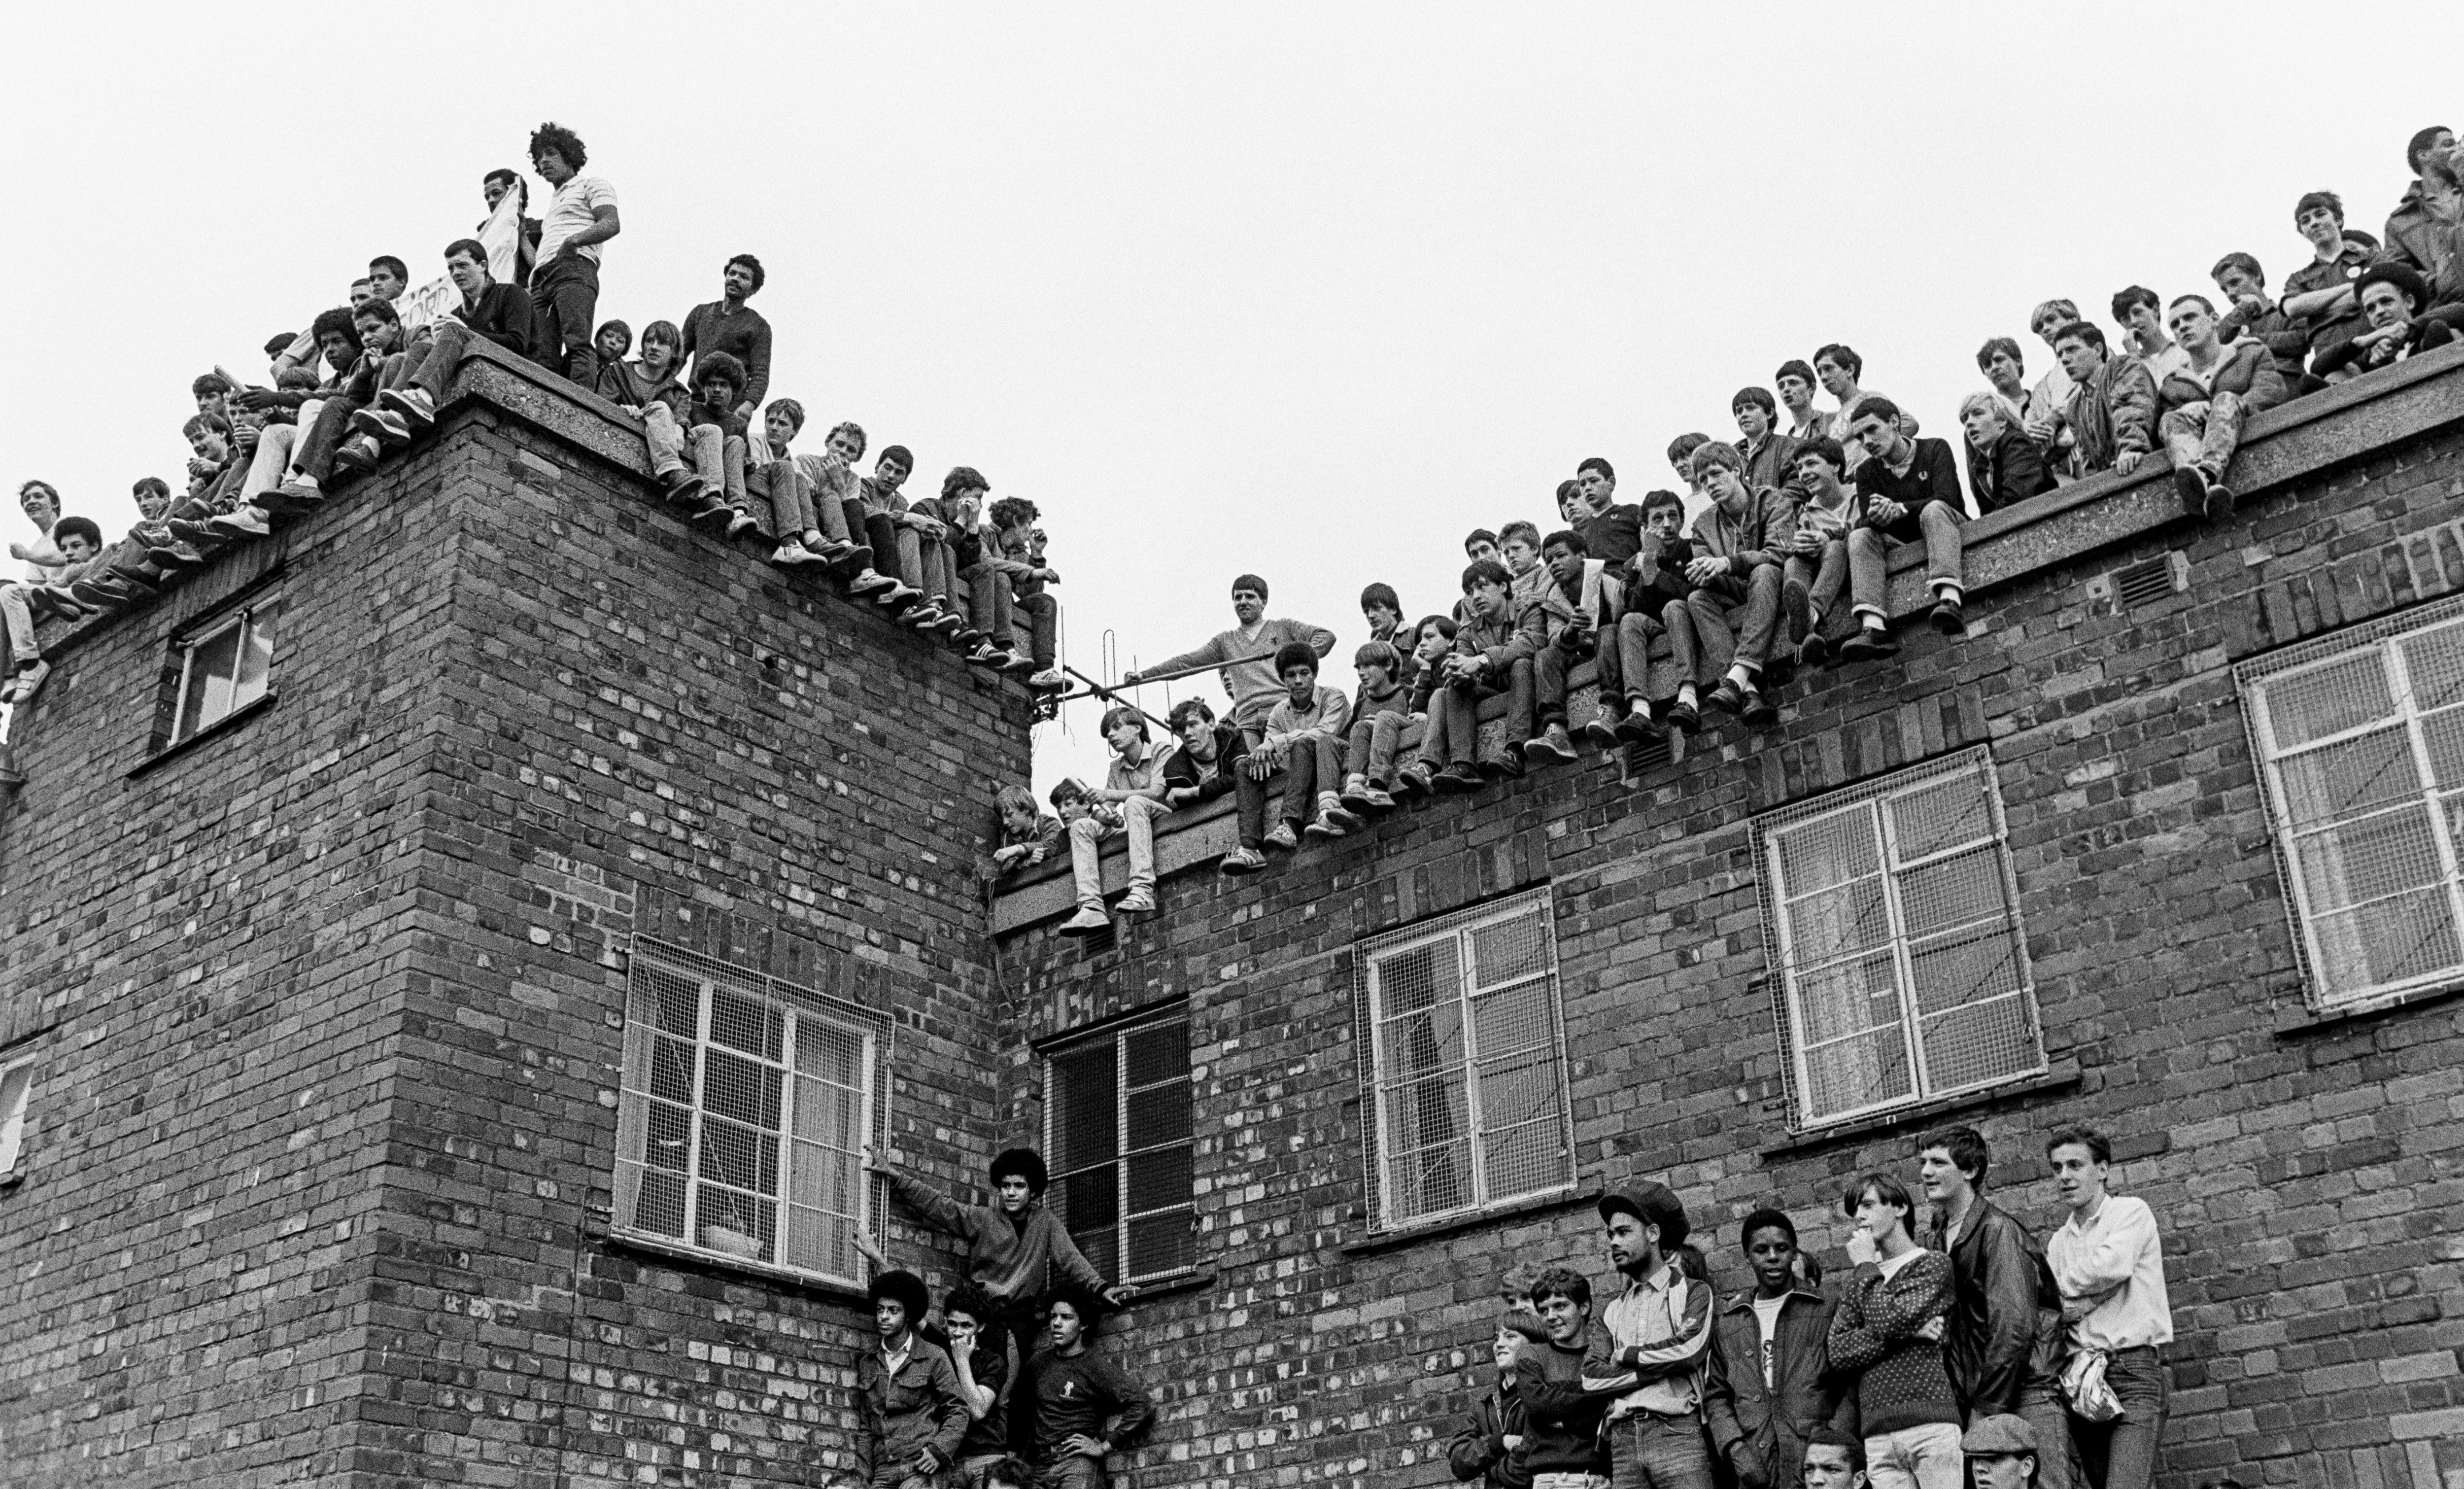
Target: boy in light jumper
(1305,735)
(1579,608)
(1135,786)
(1247,654)
(1377,723)
(1433,642)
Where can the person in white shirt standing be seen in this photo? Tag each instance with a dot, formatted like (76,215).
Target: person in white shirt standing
(2110,1269)
(565,285)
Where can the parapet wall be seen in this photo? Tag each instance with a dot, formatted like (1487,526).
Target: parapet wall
(2302,1162)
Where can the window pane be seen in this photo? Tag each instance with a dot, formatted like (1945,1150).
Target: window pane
(671,1069)
(1848,998)
(2433,662)
(1157,1054)
(2342,695)
(738,1225)
(1509,950)
(825,1179)
(2369,859)
(650,1200)
(2349,776)
(1514,1020)
(829,1115)
(1981,1042)
(1086,1107)
(2386,942)
(1964,968)
(1525,1160)
(1430,1181)
(822,1242)
(747,1024)
(1089,1207)
(1940,815)
(1162,1243)
(1833,923)
(207,696)
(255,658)
(1514,1094)
(1955,891)
(740,1156)
(667,1136)
(1828,850)
(1866,1070)
(672,1004)
(1158,1115)
(828,1051)
(1159,1179)
(1419,1043)
(1426,1112)
(736,1087)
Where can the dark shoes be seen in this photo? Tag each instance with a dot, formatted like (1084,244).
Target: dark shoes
(1868,643)
(1949,620)
(1553,747)
(1759,712)
(1685,718)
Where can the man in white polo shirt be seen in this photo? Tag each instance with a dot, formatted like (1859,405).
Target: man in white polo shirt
(564,286)
(2110,1270)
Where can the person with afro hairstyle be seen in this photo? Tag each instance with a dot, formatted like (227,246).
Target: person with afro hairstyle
(1307,733)
(728,324)
(980,1351)
(564,287)
(1018,1251)
(1489,1445)
(907,1396)
(1246,656)
(1085,1406)
(715,439)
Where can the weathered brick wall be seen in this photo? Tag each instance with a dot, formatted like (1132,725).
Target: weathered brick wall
(2305,1170)
(331,1008)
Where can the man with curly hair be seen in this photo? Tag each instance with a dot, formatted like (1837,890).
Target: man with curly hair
(564,286)
(728,324)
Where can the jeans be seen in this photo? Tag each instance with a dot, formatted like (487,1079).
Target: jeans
(2205,441)
(1086,849)
(1647,1452)
(1077,1471)
(1935,525)
(1916,1457)
(1369,752)
(1707,646)
(719,460)
(1044,620)
(2121,1453)
(274,444)
(430,364)
(1625,667)
(20,624)
(1311,766)
(665,440)
(1820,577)
(313,456)
(1548,675)
(1453,731)
(790,497)
(2043,1408)
(895,548)
(564,296)
(988,601)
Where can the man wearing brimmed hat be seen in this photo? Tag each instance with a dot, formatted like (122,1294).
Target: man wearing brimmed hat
(1650,1352)
(2001,1452)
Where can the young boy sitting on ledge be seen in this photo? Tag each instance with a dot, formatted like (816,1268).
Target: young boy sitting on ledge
(1306,734)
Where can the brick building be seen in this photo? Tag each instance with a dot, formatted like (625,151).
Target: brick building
(452,952)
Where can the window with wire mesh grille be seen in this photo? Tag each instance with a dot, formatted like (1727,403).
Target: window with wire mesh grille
(1462,1063)
(17,1083)
(744,1112)
(1118,1126)
(2361,741)
(1891,920)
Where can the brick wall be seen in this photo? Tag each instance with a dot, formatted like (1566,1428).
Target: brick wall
(2303,1169)
(329,1008)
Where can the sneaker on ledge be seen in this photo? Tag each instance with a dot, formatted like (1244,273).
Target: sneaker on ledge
(1018,662)
(1280,836)
(740,520)
(1243,860)
(1553,748)
(1089,920)
(411,404)
(789,555)
(246,522)
(867,582)
(1048,680)
(1137,902)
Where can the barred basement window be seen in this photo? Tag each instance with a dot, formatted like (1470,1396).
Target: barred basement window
(16,1084)
(1463,1064)
(2360,742)
(1117,1125)
(224,669)
(1891,918)
(746,1105)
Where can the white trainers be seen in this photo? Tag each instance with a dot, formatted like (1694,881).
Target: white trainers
(791,554)
(869,581)
(1089,920)
(1137,902)
(1050,679)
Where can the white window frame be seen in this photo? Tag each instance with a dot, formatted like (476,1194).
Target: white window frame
(2256,679)
(1872,798)
(247,621)
(801,1010)
(16,1098)
(1118,1036)
(1376,1154)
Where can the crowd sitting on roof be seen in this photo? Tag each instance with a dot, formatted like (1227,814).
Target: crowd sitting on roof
(958,565)
(1783,566)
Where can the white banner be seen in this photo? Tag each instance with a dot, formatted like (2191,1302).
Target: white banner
(501,235)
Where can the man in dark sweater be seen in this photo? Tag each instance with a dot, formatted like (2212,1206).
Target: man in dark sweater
(1488,1446)
(1561,1440)
(1909,489)
(1208,766)
(1018,1251)
(1085,1406)
(492,312)
(2003,1335)
(728,324)
(1887,1337)
(979,1353)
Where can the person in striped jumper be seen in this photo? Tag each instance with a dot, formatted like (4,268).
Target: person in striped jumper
(1887,1337)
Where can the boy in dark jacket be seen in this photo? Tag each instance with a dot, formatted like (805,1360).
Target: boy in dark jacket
(1209,764)
(2112,409)
(1908,490)
(1655,579)
(1489,1445)
(2002,1339)
(2004,465)
(907,1394)
(1768,1386)
(1493,652)
(714,437)
(1433,641)
(1028,834)
(1733,610)
(1561,1415)
(1085,1406)
(2205,400)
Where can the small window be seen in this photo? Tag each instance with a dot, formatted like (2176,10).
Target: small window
(1463,1064)
(1891,918)
(222,670)
(2360,744)
(746,1106)
(16,1081)
(1117,1125)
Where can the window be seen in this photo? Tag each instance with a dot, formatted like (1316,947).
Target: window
(1891,918)
(17,1081)
(1117,1125)
(1463,1064)
(222,670)
(746,1106)
(2360,744)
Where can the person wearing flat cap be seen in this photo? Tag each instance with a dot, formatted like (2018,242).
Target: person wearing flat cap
(1649,1355)
(2001,1453)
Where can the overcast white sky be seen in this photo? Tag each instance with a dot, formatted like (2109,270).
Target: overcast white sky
(1309,290)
